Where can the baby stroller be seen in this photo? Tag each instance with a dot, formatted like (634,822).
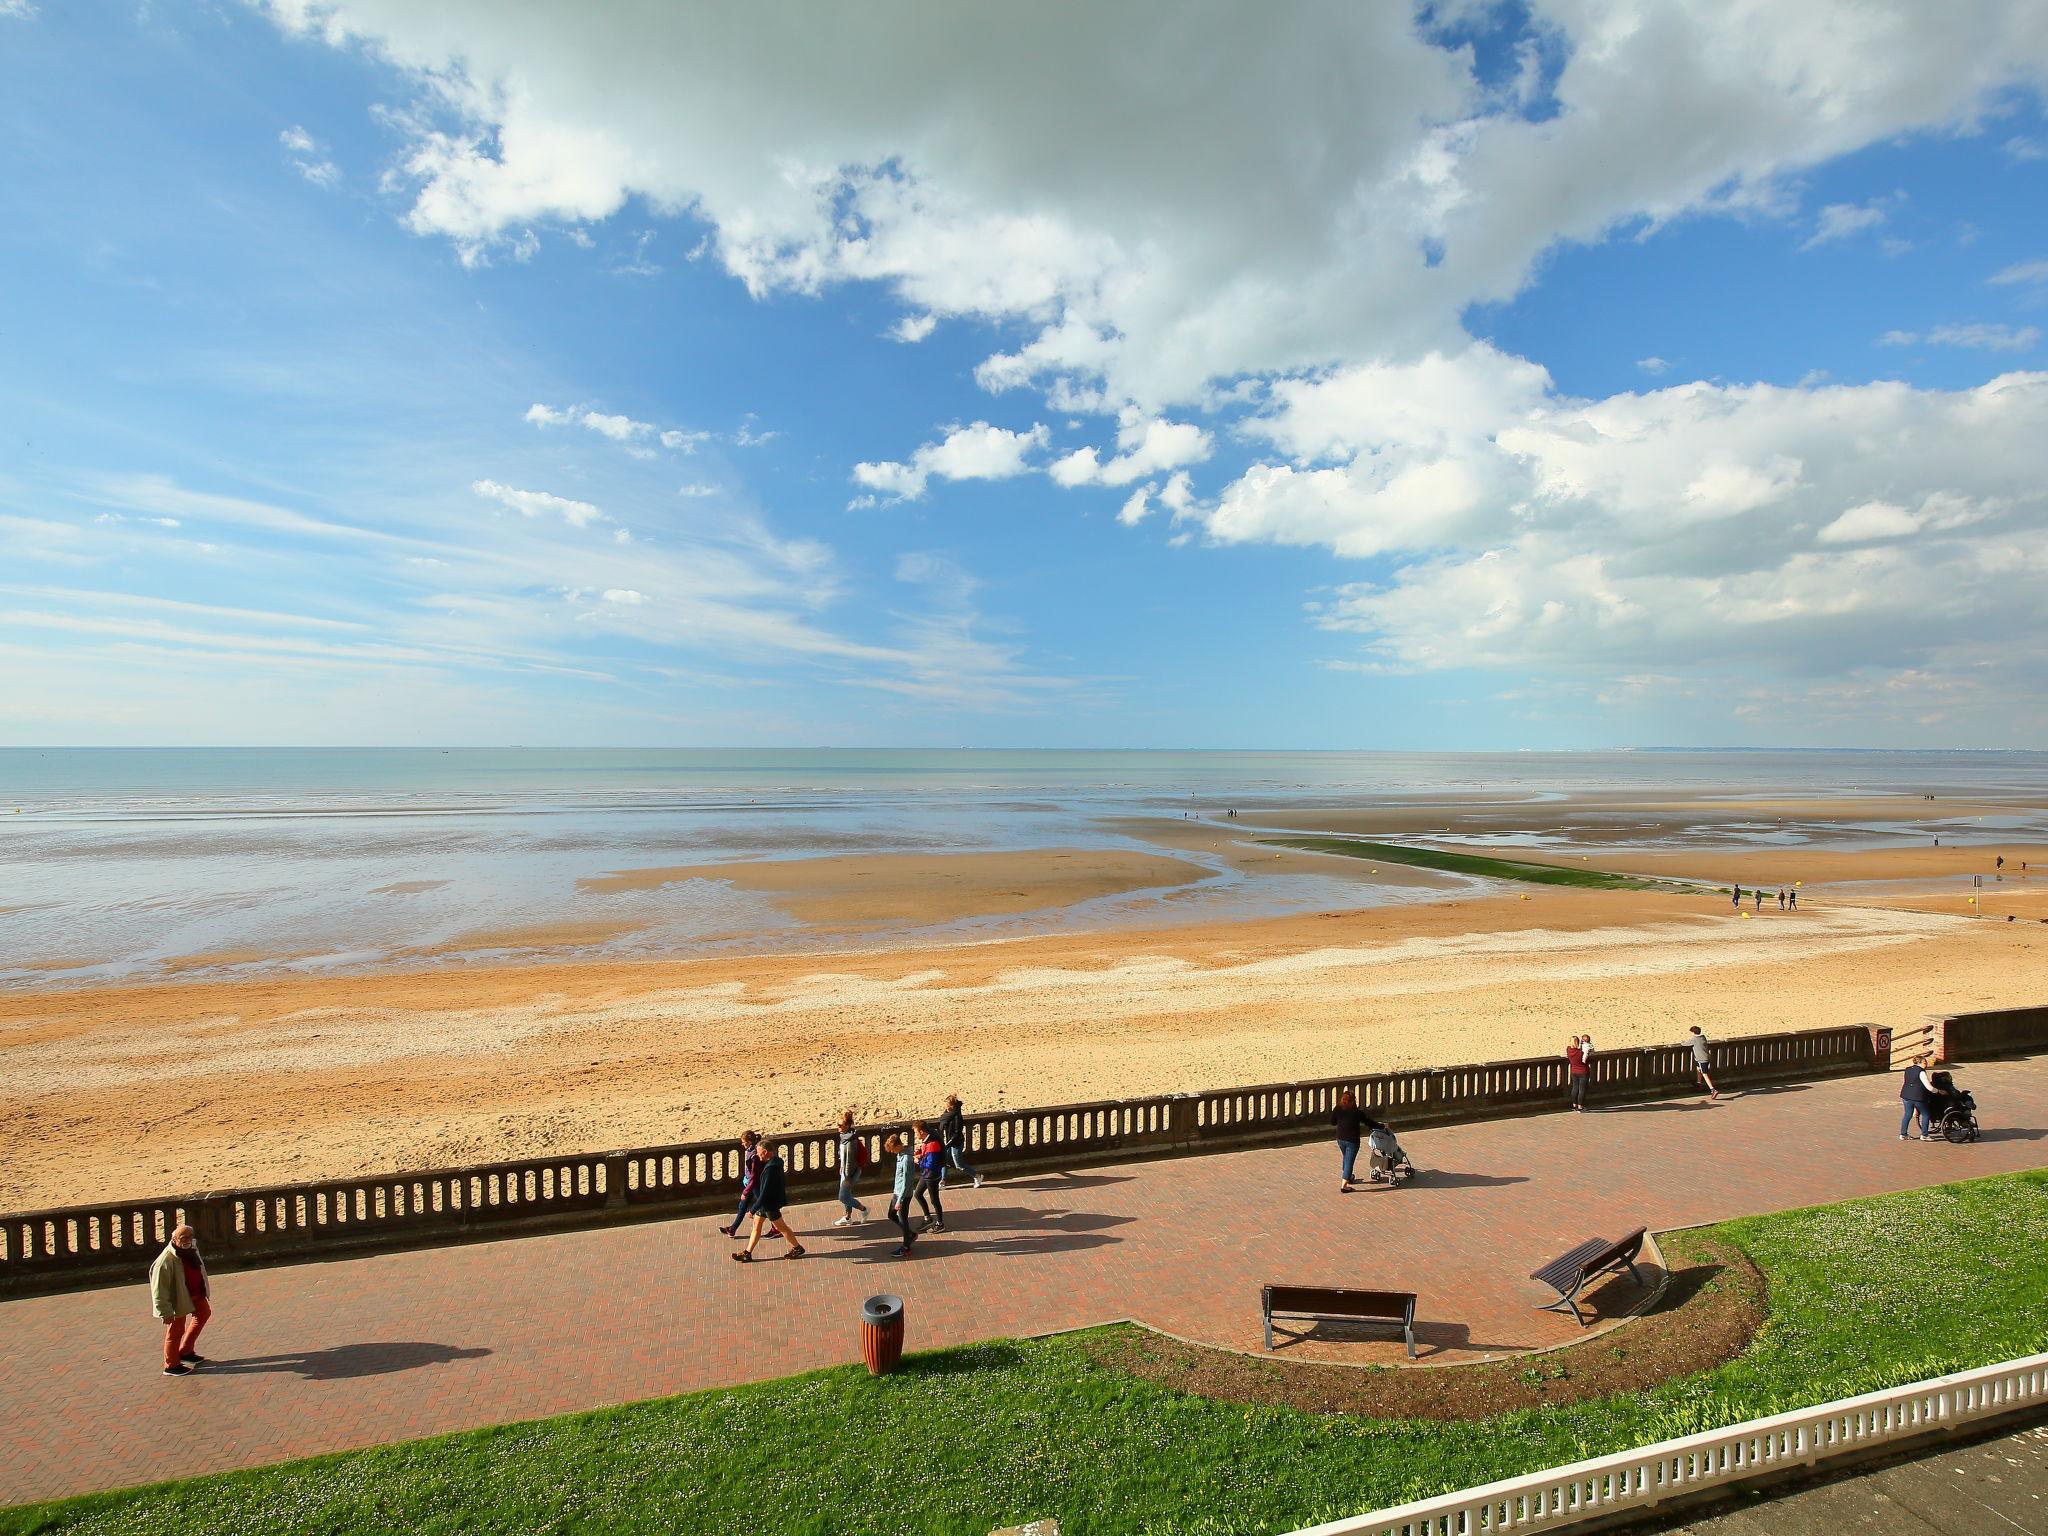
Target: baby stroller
(1390,1165)
(1954,1114)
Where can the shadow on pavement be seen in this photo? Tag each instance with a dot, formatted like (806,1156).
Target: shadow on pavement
(997,1230)
(1444,1178)
(344,1362)
(1055,1183)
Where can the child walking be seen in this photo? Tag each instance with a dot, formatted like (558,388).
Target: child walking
(899,1204)
(931,1169)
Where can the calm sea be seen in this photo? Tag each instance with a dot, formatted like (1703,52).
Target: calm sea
(115,861)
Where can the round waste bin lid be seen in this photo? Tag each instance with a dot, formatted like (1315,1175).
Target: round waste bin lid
(879,1309)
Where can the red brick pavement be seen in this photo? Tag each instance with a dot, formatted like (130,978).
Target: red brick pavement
(329,1356)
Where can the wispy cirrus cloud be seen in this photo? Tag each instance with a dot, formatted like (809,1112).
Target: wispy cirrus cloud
(309,157)
(1982,336)
(577,514)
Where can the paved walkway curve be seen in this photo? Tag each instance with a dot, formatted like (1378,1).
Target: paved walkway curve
(330,1356)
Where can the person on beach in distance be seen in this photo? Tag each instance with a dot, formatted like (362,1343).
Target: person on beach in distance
(953,1137)
(1575,1064)
(931,1170)
(181,1300)
(899,1204)
(771,1194)
(1738,898)
(1703,1058)
(1350,1123)
(853,1158)
(1917,1096)
(1792,898)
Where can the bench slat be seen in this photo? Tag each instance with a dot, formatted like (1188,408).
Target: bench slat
(1310,1298)
(1329,1304)
(1570,1263)
(1567,1273)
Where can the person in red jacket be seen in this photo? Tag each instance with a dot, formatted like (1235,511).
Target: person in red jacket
(1575,1063)
(931,1168)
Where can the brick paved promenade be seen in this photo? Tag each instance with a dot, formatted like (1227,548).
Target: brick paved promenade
(322,1357)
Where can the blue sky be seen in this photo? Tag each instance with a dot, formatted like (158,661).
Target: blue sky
(1479,377)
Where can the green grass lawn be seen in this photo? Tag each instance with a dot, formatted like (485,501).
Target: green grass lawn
(1863,1295)
(1472,864)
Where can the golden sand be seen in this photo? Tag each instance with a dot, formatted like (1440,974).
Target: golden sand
(855,890)
(118,1091)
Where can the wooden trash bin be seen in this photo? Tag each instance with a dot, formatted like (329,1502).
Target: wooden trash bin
(881,1333)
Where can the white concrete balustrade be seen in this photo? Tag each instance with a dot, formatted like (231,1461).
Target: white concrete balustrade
(1843,1431)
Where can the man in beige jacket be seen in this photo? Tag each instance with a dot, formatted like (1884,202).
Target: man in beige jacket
(178,1295)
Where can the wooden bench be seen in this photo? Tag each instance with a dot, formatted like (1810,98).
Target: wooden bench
(1326,1304)
(1569,1273)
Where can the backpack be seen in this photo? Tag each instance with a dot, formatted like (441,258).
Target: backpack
(860,1154)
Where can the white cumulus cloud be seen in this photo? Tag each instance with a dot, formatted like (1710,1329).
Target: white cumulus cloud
(976,452)
(1820,529)
(1145,446)
(1344,194)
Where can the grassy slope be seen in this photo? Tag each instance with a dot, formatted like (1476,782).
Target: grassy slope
(1470,863)
(1863,1295)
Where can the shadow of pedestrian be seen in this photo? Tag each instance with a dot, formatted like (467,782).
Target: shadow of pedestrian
(344,1362)
(953,1243)
(1064,1181)
(1702,1102)
(1013,1230)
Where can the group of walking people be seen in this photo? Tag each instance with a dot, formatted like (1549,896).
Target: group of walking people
(922,1157)
(1788,898)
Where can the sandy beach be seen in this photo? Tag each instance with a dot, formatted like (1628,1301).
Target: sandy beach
(182,1084)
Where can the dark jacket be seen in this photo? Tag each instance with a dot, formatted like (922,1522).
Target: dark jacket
(1350,1122)
(770,1194)
(1914,1089)
(953,1127)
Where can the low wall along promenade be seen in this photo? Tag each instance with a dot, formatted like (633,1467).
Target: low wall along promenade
(85,1245)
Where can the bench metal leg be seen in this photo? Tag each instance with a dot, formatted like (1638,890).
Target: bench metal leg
(1566,1302)
(1269,1330)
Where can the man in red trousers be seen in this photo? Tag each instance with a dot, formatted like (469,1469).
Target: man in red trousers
(178,1296)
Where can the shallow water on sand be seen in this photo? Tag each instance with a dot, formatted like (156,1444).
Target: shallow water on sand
(119,863)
